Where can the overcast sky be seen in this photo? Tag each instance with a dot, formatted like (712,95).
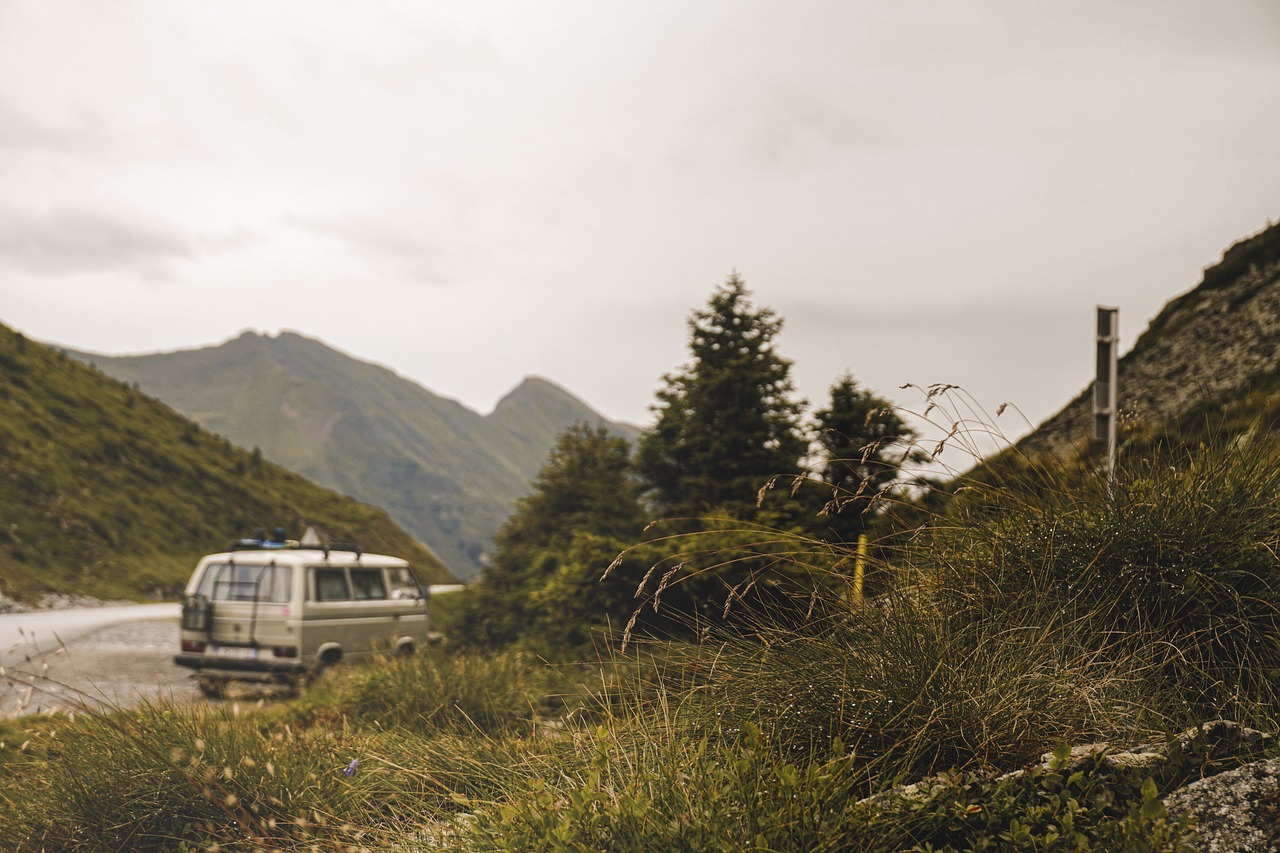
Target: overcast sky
(926,190)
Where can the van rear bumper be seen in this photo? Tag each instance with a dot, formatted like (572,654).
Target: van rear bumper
(242,668)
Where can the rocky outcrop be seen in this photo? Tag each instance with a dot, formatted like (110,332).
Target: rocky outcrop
(1237,811)
(1215,742)
(1207,343)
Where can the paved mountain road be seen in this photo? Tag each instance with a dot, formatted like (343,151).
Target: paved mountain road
(34,632)
(90,657)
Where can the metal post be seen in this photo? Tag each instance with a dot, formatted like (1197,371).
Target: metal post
(860,567)
(1105,385)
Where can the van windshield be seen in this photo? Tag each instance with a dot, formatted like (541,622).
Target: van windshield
(403,583)
(244,582)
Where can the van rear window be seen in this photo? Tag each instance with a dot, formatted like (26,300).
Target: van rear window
(245,582)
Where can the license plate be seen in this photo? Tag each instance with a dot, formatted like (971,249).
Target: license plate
(237,652)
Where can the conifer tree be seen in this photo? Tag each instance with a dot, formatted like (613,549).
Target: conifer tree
(726,422)
(862,440)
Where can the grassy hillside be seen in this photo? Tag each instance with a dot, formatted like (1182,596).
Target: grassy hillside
(447,474)
(107,492)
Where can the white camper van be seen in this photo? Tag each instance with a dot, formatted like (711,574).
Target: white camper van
(270,611)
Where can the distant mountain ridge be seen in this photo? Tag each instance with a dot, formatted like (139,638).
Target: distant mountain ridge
(1207,346)
(447,474)
(105,491)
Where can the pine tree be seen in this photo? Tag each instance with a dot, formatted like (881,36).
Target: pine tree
(862,441)
(726,422)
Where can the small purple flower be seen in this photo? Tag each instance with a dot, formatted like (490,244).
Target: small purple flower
(352,768)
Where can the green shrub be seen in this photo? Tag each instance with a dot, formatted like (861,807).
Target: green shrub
(640,790)
(1177,561)
(435,690)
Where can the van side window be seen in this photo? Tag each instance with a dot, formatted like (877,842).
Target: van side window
(331,585)
(367,584)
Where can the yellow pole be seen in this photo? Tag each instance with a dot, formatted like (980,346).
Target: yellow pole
(859,567)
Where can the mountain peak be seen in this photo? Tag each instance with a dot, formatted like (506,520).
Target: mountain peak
(541,401)
(281,339)
(533,387)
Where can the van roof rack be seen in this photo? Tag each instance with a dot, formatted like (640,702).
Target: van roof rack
(342,546)
(262,545)
(262,541)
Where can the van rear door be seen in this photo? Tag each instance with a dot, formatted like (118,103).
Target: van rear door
(247,598)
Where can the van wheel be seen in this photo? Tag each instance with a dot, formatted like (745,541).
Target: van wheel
(211,686)
(327,659)
(403,650)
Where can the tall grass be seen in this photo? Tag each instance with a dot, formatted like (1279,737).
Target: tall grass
(1045,603)
(913,688)
(433,691)
(1174,566)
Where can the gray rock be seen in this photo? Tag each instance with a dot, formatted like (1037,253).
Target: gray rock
(1237,811)
(1079,754)
(1226,735)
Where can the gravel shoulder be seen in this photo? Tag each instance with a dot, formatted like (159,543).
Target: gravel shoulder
(115,666)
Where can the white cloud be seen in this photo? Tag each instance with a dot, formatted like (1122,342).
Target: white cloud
(582,174)
(71,241)
(79,133)
(413,252)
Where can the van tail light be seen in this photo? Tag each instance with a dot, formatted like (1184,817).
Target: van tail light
(193,646)
(285,651)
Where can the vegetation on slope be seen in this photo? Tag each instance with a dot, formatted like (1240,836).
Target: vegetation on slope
(107,492)
(1250,254)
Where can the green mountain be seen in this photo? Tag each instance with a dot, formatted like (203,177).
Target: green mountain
(105,491)
(449,475)
(1208,363)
